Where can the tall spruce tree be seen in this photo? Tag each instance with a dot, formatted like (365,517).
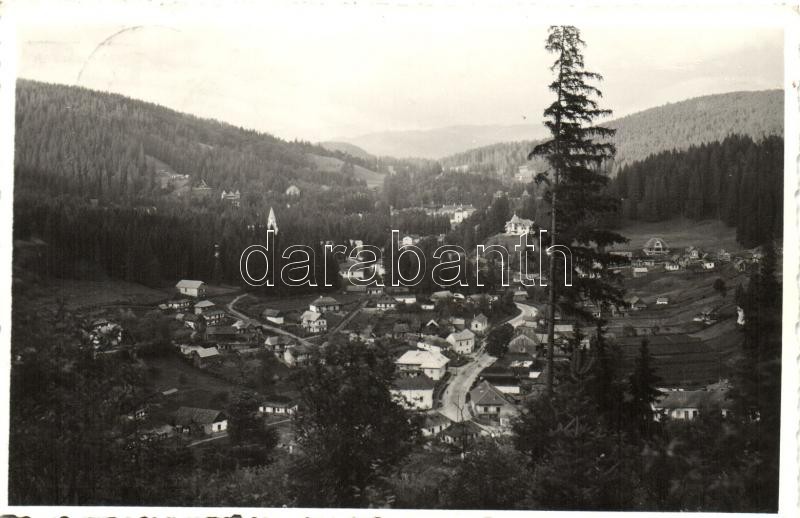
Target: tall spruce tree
(576,182)
(642,386)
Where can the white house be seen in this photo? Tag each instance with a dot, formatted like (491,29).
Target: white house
(278,406)
(314,322)
(463,342)
(414,392)
(386,303)
(517,226)
(708,265)
(479,324)
(432,364)
(672,267)
(662,300)
(655,246)
(406,298)
(191,288)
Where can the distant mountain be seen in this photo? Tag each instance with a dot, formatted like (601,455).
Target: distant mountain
(673,126)
(439,142)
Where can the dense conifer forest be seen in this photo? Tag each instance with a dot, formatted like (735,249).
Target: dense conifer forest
(738,180)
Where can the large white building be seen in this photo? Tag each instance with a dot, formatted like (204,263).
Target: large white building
(431,363)
(191,288)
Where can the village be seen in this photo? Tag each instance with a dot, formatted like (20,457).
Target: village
(466,363)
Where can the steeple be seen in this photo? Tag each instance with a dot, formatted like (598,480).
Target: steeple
(272,222)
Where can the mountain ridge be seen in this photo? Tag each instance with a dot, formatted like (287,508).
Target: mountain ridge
(736,107)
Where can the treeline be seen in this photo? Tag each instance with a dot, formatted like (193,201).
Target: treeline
(417,186)
(673,126)
(738,181)
(128,244)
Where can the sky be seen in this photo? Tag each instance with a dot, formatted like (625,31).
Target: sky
(317,72)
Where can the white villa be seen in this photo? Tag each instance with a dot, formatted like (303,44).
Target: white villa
(517,226)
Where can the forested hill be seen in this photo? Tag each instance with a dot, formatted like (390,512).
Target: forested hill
(108,146)
(738,181)
(673,126)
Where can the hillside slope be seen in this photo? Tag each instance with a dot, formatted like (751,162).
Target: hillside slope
(673,126)
(102,145)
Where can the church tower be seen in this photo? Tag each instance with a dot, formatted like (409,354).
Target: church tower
(272,223)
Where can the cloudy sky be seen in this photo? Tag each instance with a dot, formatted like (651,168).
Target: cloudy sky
(311,72)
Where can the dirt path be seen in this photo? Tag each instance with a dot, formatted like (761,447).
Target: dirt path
(277,330)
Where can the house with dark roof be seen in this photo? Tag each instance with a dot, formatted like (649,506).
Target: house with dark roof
(489,402)
(324,304)
(522,344)
(222,334)
(386,303)
(191,420)
(686,405)
(462,432)
(414,392)
(203,306)
(203,357)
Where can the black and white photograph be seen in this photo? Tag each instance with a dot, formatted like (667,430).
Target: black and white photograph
(391,256)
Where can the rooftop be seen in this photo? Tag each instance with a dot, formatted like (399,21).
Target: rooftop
(187,415)
(487,394)
(186,283)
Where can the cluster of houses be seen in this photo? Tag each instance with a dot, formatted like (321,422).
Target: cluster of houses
(194,423)
(456,213)
(657,253)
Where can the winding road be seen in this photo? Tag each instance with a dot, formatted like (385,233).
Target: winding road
(526,311)
(454,399)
